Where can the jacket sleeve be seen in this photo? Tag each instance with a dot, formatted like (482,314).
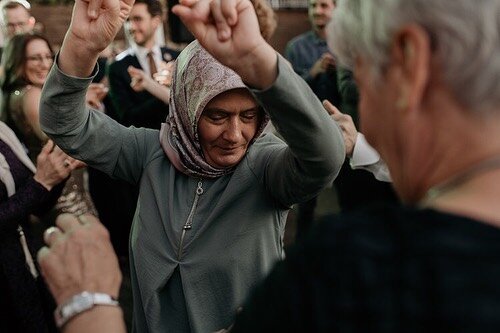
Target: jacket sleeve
(30,198)
(315,148)
(90,135)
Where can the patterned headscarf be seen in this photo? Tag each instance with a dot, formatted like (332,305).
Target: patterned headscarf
(197,79)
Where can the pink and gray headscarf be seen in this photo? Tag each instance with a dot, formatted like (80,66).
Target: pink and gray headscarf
(197,79)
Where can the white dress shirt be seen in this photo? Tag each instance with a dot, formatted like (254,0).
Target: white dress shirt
(366,158)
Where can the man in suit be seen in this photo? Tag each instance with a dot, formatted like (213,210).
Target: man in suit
(140,109)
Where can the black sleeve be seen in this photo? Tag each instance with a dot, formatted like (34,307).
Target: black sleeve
(31,198)
(132,111)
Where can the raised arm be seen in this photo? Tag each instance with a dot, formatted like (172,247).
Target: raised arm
(86,134)
(93,27)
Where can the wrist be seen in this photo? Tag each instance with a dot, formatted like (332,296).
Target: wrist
(259,69)
(76,58)
(47,186)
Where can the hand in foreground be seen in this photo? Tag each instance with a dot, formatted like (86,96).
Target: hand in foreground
(346,125)
(53,165)
(79,257)
(229,31)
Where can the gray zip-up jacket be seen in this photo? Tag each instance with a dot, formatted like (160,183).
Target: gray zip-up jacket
(198,246)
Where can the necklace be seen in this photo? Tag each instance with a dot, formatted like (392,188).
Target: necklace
(461,178)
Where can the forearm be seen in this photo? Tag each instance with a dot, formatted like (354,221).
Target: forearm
(62,105)
(316,148)
(260,68)
(159,91)
(76,58)
(32,196)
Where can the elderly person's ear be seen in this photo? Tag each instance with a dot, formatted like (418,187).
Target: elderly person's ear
(411,62)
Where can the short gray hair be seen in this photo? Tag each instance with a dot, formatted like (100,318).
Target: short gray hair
(465,35)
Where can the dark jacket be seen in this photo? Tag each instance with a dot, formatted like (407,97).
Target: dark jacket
(140,109)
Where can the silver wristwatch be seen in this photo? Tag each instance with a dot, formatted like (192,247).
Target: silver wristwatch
(80,303)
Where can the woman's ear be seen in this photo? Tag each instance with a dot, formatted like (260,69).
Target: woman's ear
(411,54)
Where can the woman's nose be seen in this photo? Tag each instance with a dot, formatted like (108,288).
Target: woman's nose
(232,132)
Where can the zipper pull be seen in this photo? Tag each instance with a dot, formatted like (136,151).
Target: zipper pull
(199,189)
(27,255)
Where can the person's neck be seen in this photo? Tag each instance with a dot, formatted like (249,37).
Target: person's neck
(473,193)
(148,45)
(320,32)
(466,180)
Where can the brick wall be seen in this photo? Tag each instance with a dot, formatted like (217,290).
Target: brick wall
(55,20)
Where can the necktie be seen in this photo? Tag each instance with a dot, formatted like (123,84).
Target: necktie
(152,65)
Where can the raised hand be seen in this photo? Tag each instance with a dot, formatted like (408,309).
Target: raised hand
(229,30)
(346,124)
(96,22)
(93,27)
(139,78)
(53,165)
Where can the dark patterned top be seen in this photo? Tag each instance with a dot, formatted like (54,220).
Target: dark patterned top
(384,270)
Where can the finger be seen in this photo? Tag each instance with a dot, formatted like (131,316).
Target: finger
(67,222)
(77,164)
(51,235)
(228,8)
(132,70)
(87,219)
(93,9)
(188,3)
(48,147)
(330,108)
(221,23)
(58,153)
(67,163)
(42,255)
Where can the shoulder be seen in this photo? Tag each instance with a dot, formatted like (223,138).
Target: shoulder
(128,53)
(299,40)
(385,231)
(31,100)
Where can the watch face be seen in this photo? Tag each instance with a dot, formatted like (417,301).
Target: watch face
(79,303)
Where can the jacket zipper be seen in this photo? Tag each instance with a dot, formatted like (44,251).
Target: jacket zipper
(189,221)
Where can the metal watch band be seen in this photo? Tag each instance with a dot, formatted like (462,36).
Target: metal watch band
(80,303)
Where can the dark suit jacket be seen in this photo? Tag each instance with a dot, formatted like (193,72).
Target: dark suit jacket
(140,109)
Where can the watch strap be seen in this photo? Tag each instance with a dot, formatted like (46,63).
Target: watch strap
(80,303)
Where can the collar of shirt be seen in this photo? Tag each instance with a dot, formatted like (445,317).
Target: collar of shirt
(316,40)
(141,53)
